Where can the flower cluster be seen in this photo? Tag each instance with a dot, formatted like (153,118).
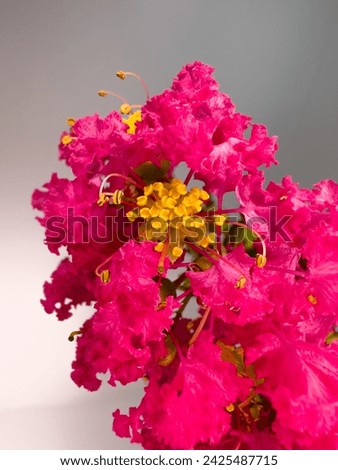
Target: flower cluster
(255,363)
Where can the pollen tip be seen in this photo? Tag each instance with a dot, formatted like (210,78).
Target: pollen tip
(102,93)
(105,276)
(230,408)
(311,298)
(71,121)
(120,74)
(260,260)
(240,283)
(125,108)
(66,139)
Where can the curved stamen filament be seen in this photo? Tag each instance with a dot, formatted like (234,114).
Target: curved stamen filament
(127,178)
(122,75)
(202,252)
(200,326)
(104,93)
(98,269)
(71,337)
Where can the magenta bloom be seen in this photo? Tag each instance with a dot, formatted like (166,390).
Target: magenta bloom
(255,364)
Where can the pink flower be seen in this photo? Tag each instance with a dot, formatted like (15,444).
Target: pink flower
(255,365)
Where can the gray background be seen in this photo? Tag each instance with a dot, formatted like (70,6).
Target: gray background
(278,59)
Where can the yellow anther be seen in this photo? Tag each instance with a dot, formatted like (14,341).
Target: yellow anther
(145,212)
(102,199)
(102,93)
(148,190)
(180,211)
(168,202)
(132,120)
(204,195)
(195,191)
(240,283)
(204,242)
(177,251)
(154,211)
(66,139)
(120,74)
(211,238)
(197,206)
(142,201)
(105,276)
(260,261)
(187,201)
(71,121)
(159,247)
(158,186)
(125,108)
(132,216)
(181,189)
(196,222)
(283,198)
(230,408)
(311,298)
(164,213)
(219,220)
(156,224)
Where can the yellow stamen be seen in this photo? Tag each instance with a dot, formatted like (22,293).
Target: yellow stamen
(156,224)
(177,251)
(144,212)
(260,261)
(142,200)
(311,298)
(71,121)
(230,408)
(66,139)
(120,74)
(159,247)
(148,190)
(105,276)
(125,108)
(132,216)
(102,199)
(132,120)
(219,220)
(240,283)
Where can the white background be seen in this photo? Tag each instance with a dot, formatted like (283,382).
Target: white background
(277,59)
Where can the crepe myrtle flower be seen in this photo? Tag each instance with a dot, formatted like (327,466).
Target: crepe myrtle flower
(142,242)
